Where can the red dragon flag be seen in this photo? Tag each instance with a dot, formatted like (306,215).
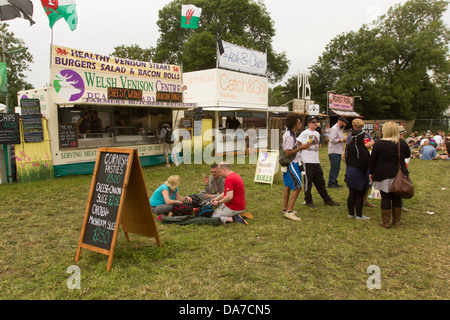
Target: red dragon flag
(11,9)
(57,9)
(190,16)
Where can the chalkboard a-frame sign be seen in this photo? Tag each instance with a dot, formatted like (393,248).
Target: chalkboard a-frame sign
(118,197)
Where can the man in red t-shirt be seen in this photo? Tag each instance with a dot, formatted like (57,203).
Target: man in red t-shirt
(232,201)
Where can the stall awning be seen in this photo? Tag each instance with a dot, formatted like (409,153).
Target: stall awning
(129,103)
(342,113)
(234,109)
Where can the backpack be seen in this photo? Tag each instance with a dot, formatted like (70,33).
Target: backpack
(182,209)
(196,200)
(168,137)
(205,210)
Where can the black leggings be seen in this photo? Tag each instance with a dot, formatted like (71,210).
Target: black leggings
(355,201)
(390,198)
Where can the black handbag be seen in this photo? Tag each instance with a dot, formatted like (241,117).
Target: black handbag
(402,186)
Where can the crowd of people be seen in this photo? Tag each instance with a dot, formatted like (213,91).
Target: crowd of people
(368,162)
(432,146)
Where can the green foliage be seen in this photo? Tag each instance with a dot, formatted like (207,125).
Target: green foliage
(134,52)
(281,94)
(242,22)
(399,64)
(18,59)
(199,52)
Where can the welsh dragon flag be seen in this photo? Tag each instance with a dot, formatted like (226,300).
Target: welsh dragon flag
(190,15)
(57,9)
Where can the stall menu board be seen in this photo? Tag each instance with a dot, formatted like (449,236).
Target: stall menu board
(9,128)
(118,197)
(32,120)
(106,199)
(169,96)
(124,94)
(67,135)
(186,122)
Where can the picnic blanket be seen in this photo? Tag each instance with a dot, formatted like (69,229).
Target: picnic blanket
(191,220)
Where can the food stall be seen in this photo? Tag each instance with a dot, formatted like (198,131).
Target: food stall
(102,101)
(225,96)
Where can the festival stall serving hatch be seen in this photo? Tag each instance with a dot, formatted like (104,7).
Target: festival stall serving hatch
(133,99)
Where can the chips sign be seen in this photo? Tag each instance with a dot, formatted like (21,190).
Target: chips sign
(124,94)
(169,96)
(267,166)
(9,128)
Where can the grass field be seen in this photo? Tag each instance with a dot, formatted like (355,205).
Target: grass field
(324,256)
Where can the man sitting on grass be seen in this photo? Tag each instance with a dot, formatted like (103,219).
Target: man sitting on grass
(428,152)
(231,203)
(214,185)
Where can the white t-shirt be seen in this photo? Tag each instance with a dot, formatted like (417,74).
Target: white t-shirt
(438,140)
(290,143)
(310,155)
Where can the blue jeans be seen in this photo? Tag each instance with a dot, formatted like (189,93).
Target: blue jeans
(335,167)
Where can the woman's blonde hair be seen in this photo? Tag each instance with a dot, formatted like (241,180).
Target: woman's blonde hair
(173,182)
(390,131)
(358,123)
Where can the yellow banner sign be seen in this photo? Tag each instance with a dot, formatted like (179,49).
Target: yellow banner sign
(77,59)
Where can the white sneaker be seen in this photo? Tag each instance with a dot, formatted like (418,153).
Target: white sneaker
(168,165)
(291,215)
(363,218)
(351,216)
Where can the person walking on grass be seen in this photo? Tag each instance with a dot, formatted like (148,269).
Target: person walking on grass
(311,164)
(292,176)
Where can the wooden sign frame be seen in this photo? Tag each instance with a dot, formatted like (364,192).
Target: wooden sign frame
(134,213)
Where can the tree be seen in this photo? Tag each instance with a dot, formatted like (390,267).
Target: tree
(134,52)
(18,59)
(242,22)
(399,64)
(284,93)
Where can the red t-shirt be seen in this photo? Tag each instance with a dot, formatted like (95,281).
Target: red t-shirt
(233,182)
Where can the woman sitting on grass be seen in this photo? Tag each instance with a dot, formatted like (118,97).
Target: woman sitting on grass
(166,196)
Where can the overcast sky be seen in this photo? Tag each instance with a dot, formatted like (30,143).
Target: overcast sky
(303,28)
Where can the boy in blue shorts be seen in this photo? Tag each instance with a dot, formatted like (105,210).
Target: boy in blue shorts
(292,176)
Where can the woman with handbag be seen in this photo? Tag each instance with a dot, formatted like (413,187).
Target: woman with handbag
(387,155)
